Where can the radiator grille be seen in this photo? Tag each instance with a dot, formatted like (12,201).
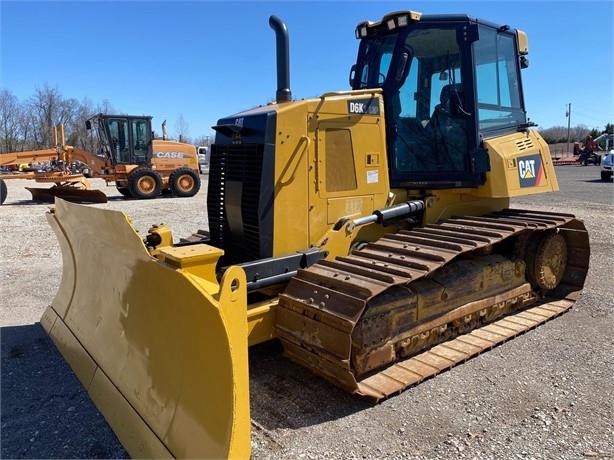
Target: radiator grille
(233,201)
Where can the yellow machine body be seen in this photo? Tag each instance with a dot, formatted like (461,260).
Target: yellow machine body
(322,234)
(340,161)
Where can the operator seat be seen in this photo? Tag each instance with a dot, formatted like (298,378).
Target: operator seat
(448,128)
(412,149)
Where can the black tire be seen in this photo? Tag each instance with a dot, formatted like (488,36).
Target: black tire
(184,182)
(125,192)
(3,191)
(145,184)
(606,177)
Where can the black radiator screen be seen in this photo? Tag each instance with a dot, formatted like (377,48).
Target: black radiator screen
(234,207)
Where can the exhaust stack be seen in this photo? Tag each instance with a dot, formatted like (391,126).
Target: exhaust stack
(283,59)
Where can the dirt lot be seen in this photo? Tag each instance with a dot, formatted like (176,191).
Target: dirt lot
(548,394)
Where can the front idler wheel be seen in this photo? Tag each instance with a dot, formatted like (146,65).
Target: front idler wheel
(547,260)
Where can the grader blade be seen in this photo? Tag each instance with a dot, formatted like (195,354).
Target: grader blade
(161,351)
(68,193)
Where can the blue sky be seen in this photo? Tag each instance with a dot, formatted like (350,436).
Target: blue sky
(205,60)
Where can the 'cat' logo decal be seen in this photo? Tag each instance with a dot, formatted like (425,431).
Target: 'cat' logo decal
(530,171)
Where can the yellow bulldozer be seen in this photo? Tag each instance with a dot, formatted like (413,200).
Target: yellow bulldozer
(369,230)
(129,157)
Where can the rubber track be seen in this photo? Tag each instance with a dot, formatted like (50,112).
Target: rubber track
(322,304)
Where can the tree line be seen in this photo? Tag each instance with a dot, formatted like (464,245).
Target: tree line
(578,133)
(28,124)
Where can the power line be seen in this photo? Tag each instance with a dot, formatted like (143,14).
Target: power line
(593,111)
(585,116)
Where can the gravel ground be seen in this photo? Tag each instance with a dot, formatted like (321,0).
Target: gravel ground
(548,394)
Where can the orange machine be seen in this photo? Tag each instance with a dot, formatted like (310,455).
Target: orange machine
(140,166)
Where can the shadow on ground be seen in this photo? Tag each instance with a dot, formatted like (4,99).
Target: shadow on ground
(46,413)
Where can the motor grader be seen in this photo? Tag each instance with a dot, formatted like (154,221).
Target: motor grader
(369,230)
(129,157)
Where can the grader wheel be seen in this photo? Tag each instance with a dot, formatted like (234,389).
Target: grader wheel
(3,191)
(125,191)
(184,182)
(145,183)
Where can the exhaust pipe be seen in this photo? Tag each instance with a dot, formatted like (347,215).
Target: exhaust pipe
(283,59)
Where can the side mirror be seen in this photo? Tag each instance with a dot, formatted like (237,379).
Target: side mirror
(352,75)
(401,67)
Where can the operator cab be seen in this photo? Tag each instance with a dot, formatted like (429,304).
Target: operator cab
(124,139)
(448,82)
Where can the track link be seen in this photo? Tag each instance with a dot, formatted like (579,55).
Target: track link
(320,309)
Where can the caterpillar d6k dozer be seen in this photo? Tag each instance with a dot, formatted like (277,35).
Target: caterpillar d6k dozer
(368,230)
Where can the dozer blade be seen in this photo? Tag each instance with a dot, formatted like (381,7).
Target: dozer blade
(162,352)
(68,193)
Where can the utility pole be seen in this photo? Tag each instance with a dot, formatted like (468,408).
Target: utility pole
(568,115)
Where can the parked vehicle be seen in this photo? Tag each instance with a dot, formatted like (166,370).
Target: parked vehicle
(203,159)
(607,166)
(589,158)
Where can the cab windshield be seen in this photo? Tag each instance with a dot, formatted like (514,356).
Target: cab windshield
(446,85)
(124,140)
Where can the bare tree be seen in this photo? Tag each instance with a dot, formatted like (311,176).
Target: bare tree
(106,107)
(27,128)
(203,141)
(182,130)
(88,139)
(76,132)
(558,134)
(10,113)
(68,113)
(45,109)
(29,125)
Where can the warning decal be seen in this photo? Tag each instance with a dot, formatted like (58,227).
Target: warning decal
(530,171)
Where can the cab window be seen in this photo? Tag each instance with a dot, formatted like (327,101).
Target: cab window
(498,82)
